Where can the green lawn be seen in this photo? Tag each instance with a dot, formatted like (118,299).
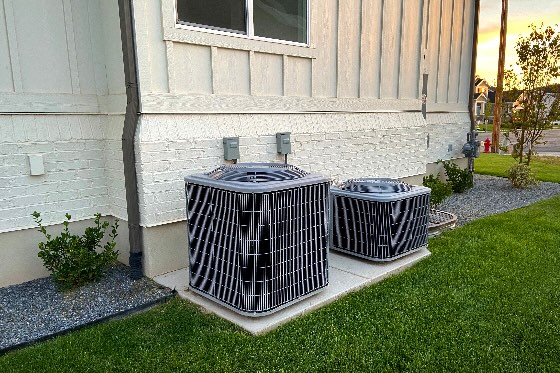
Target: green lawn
(487,300)
(546,168)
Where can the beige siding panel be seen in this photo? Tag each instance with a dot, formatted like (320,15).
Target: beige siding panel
(466,52)
(98,50)
(193,72)
(6,82)
(71,46)
(267,74)
(170,60)
(158,62)
(297,78)
(232,75)
(42,47)
(434,15)
(370,60)
(411,41)
(324,38)
(150,47)
(84,50)
(455,56)
(12,45)
(390,48)
(349,15)
(113,48)
(444,50)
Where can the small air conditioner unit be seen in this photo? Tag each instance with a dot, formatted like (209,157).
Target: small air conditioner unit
(379,219)
(258,238)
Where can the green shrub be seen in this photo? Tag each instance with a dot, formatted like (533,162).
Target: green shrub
(76,260)
(440,190)
(460,179)
(521,176)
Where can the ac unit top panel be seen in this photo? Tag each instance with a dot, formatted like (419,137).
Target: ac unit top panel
(256,177)
(382,190)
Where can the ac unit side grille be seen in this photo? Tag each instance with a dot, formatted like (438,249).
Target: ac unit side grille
(256,252)
(380,228)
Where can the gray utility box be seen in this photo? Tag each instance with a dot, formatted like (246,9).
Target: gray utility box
(258,238)
(379,219)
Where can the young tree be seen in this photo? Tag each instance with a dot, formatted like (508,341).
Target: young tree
(538,99)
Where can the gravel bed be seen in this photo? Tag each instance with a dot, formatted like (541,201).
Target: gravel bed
(492,195)
(36,309)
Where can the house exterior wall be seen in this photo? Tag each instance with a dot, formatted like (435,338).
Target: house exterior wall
(62,96)
(351,100)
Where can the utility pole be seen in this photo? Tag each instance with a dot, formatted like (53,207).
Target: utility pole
(500,86)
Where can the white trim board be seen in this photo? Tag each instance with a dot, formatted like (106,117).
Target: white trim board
(48,103)
(159,103)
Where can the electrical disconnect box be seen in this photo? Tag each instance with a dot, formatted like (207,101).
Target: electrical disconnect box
(231,148)
(283,144)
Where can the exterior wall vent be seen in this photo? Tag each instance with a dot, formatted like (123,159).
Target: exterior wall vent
(379,219)
(258,238)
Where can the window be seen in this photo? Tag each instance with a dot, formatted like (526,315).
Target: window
(285,20)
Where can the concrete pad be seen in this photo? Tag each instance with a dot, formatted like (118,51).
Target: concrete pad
(372,270)
(346,274)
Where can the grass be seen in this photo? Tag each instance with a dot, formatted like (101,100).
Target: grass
(486,300)
(546,168)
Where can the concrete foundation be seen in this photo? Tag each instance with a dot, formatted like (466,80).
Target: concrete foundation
(18,250)
(165,248)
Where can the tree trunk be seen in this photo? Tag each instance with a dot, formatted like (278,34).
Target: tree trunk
(500,84)
(522,143)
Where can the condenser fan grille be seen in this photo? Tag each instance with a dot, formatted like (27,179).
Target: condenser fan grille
(257,173)
(369,185)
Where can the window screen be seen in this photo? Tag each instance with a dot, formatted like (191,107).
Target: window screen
(226,15)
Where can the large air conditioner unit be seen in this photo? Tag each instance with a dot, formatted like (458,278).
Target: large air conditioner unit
(379,219)
(258,238)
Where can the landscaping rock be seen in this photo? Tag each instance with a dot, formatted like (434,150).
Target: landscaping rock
(492,195)
(36,309)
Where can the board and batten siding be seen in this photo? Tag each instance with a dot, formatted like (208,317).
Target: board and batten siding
(62,97)
(60,56)
(364,55)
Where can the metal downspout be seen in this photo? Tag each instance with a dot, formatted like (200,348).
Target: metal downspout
(129,132)
(473,73)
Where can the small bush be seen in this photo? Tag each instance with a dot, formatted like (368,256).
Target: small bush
(440,190)
(521,176)
(74,260)
(460,179)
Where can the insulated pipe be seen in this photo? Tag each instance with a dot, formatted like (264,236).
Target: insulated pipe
(473,73)
(129,131)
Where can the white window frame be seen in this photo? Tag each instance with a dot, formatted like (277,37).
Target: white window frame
(250,35)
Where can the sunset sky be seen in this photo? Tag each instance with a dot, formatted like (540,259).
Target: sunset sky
(520,15)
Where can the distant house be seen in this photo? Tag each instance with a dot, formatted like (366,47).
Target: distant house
(548,99)
(480,98)
(345,77)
